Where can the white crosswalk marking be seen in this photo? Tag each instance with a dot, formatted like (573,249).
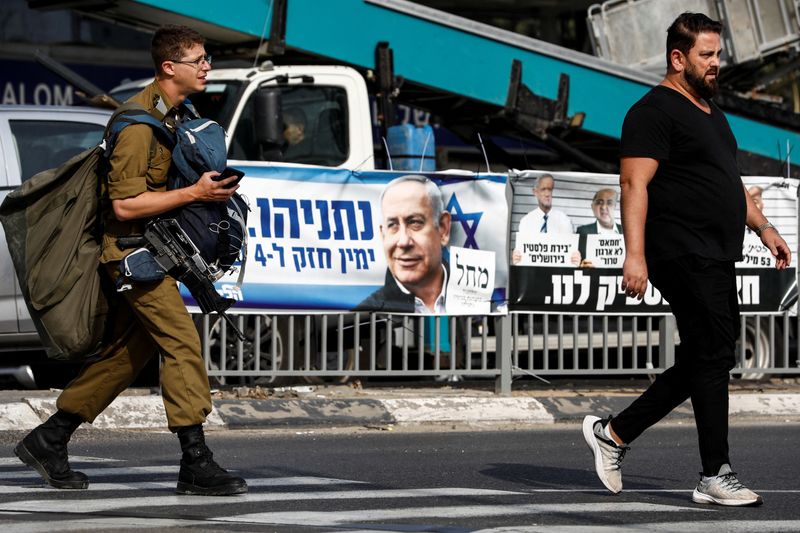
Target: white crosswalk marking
(156,485)
(103,524)
(14,461)
(142,497)
(459,511)
(109,471)
(729,526)
(114,504)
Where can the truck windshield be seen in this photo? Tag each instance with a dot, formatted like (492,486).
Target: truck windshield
(217,102)
(315,128)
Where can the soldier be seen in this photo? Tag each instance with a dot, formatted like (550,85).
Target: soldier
(151,318)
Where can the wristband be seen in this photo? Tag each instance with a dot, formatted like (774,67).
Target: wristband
(764,226)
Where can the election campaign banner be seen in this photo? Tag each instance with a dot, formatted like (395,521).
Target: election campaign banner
(319,239)
(576,266)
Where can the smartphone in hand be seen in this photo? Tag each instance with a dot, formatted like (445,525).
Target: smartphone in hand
(228,172)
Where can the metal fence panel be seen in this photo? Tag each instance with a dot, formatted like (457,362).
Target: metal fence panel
(337,346)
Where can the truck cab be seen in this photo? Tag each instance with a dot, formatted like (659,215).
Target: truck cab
(304,115)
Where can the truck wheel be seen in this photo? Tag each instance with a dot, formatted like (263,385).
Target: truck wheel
(251,326)
(756,347)
(348,363)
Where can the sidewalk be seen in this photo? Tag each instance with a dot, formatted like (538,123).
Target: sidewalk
(399,404)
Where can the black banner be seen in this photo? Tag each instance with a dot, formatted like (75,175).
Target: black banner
(598,290)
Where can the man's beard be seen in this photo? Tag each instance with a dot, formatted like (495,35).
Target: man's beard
(706,89)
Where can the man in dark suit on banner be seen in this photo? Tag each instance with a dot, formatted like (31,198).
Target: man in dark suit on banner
(415,227)
(604,203)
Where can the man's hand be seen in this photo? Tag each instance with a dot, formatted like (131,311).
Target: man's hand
(516,257)
(778,247)
(634,277)
(208,190)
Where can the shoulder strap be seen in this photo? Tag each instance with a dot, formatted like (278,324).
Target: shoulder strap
(243,245)
(133,113)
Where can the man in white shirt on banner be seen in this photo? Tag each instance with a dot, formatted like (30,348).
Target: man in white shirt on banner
(543,219)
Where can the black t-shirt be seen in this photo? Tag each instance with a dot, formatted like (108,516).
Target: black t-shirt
(696,202)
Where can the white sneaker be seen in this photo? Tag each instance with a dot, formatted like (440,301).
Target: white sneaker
(607,454)
(724,489)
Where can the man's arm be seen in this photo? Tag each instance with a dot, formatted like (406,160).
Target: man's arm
(769,237)
(130,164)
(635,173)
(152,203)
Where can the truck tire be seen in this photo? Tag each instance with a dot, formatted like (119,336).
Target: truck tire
(251,325)
(757,349)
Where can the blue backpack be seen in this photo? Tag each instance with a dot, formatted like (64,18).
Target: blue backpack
(218,230)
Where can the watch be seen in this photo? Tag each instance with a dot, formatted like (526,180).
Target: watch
(764,226)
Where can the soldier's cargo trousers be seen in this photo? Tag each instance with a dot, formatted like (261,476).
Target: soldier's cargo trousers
(147,320)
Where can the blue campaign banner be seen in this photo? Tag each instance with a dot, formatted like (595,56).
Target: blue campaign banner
(318,240)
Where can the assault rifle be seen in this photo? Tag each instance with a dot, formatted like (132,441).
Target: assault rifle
(179,257)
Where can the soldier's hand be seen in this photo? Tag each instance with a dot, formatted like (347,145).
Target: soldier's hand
(209,190)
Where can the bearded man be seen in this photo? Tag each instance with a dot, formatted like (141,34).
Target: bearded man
(684,209)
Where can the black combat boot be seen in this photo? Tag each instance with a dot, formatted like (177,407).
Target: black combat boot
(200,474)
(45,450)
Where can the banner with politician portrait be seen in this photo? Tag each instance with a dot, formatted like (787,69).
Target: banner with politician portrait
(576,265)
(320,239)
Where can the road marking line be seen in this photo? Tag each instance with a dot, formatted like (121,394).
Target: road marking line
(114,523)
(14,461)
(102,524)
(646,491)
(109,504)
(361,516)
(729,526)
(170,485)
(28,473)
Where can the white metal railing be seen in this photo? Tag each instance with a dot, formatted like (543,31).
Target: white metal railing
(337,346)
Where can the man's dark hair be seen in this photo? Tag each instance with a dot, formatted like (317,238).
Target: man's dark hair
(683,32)
(170,41)
(294,115)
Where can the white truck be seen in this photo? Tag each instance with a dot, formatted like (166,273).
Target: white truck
(331,101)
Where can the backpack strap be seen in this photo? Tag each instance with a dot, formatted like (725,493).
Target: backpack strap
(243,246)
(133,113)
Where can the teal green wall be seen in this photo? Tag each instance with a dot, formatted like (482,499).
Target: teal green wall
(451,60)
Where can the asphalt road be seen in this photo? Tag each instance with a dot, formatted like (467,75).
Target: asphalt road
(532,479)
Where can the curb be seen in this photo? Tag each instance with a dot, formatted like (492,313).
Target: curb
(147,412)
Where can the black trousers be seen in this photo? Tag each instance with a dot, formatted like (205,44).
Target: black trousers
(702,295)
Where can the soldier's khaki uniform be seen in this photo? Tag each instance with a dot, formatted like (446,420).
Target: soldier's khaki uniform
(151,318)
